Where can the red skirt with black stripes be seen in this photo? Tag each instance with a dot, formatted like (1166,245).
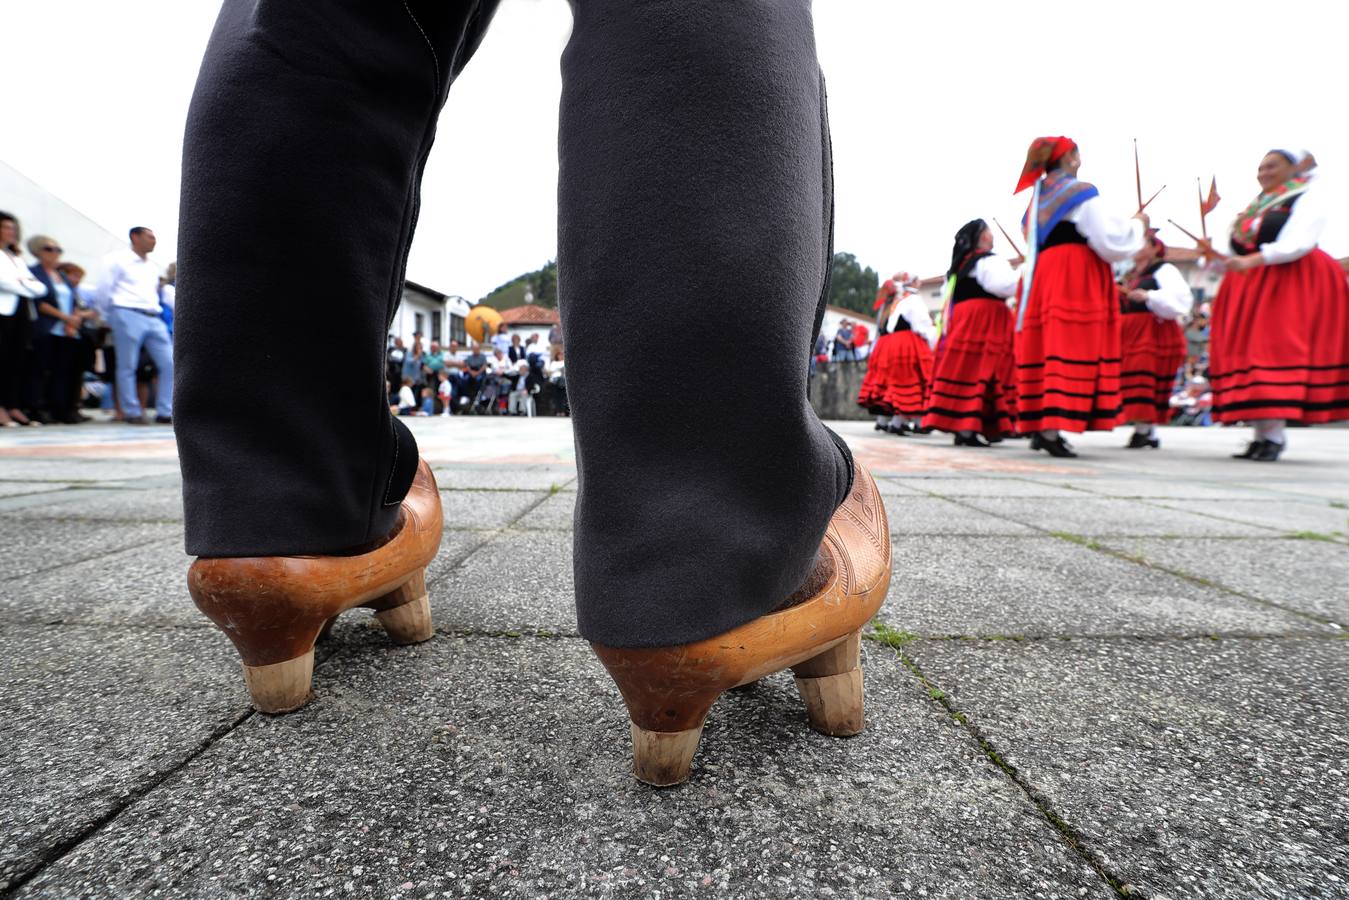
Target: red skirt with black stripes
(1153,351)
(899,375)
(974,385)
(1279,347)
(1067,351)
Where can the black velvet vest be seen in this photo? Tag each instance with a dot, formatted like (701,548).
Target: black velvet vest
(1063,233)
(1271,223)
(1146,282)
(967,287)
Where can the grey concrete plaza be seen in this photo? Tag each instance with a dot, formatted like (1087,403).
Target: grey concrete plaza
(1124,674)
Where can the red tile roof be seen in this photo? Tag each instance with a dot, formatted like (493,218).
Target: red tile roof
(530,314)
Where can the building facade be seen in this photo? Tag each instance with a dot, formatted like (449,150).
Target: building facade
(531,319)
(437,317)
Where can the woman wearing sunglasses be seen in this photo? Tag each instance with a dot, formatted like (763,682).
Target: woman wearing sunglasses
(58,361)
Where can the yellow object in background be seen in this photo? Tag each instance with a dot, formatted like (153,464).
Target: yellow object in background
(482,323)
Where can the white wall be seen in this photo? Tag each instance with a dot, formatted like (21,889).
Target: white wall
(526,330)
(85,241)
(405,318)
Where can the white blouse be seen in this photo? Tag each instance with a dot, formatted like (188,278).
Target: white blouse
(996,276)
(1173,297)
(1114,239)
(1301,234)
(914,311)
(15,282)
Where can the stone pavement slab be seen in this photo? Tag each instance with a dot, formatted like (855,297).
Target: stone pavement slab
(554,514)
(127,504)
(147,585)
(486,509)
(18,488)
(1047,586)
(1097,516)
(1310,576)
(1147,486)
(95,716)
(500,767)
(898,487)
(455,476)
(937,516)
(82,469)
(991,487)
(1283,515)
(516,581)
(42,544)
(1189,768)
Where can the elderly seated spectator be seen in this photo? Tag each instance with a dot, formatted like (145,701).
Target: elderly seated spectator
(497,384)
(520,390)
(432,362)
(1193,405)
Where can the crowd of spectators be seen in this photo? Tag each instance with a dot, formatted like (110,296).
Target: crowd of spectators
(509,375)
(66,345)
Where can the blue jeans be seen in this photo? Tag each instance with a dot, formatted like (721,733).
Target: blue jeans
(131,331)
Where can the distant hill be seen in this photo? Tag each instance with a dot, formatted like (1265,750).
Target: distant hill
(852,287)
(542,284)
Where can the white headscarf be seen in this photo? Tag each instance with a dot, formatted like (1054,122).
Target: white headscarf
(1301,159)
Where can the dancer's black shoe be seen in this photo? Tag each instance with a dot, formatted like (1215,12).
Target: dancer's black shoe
(1252,450)
(1139,441)
(971,441)
(1057,447)
(1269,452)
(902,430)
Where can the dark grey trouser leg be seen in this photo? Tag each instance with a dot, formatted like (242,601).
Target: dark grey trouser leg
(695,229)
(302,165)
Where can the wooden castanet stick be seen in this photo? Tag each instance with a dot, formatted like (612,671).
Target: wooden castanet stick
(1204,244)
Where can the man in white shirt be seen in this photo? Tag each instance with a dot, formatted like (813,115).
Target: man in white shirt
(128,288)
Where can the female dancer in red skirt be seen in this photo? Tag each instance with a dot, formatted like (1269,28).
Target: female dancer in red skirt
(899,369)
(1154,298)
(1280,340)
(974,390)
(1067,339)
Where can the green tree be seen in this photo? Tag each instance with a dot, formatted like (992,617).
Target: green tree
(851,286)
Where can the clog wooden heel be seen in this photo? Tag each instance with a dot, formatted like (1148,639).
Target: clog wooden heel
(274,608)
(831,687)
(405,612)
(670,690)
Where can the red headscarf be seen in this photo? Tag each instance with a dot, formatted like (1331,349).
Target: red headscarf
(1043,151)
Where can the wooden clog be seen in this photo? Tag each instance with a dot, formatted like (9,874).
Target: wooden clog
(275,607)
(669,690)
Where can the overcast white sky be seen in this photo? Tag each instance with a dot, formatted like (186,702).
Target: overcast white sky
(932,107)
